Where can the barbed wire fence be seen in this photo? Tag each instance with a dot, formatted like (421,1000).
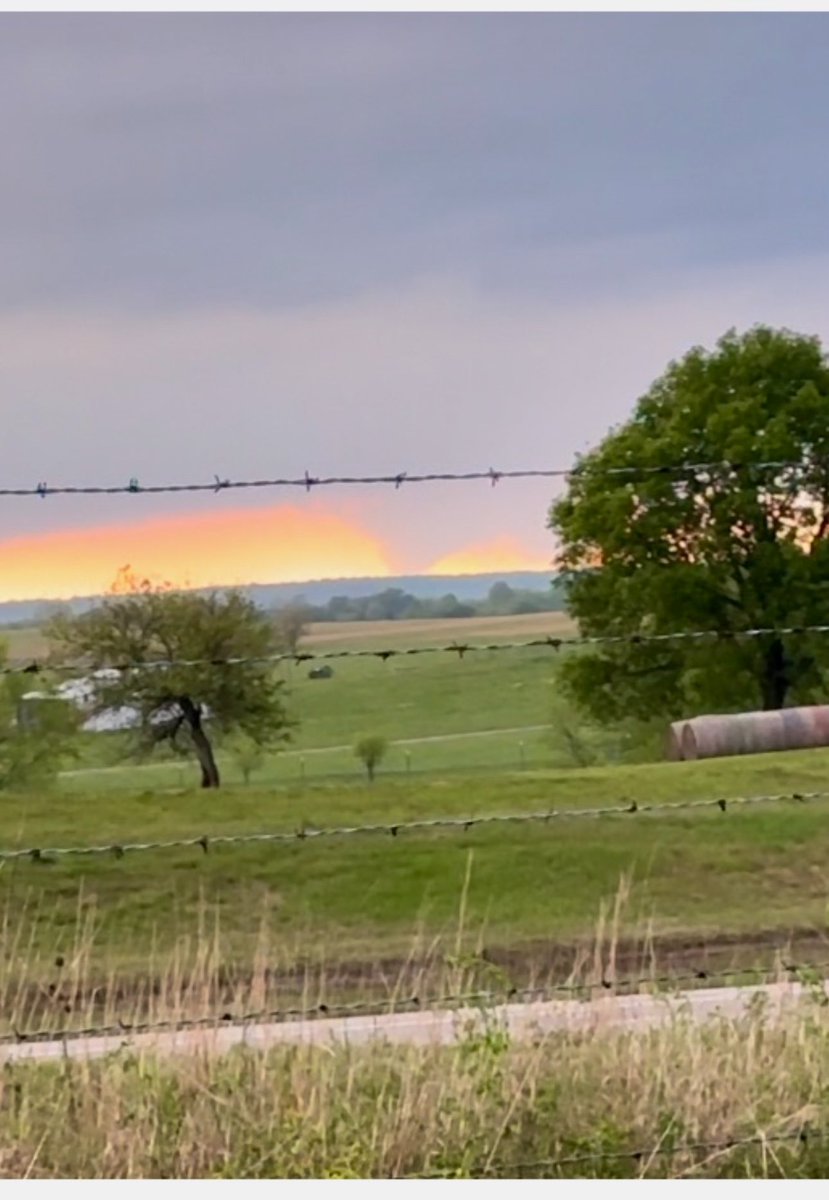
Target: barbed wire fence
(397,480)
(307,481)
(35,666)
(659,985)
(464,824)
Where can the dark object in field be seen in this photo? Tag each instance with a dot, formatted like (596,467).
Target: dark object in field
(749,733)
(320,672)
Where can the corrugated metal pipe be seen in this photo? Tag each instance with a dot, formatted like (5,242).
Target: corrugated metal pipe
(749,733)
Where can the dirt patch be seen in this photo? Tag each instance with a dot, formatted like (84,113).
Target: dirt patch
(577,968)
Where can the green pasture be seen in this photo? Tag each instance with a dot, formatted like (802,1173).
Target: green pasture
(433,709)
(691,872)
(478,733)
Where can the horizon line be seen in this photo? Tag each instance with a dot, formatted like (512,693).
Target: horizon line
(288,583)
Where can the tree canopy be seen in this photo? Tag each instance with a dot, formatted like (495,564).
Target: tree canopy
(141,623)
(740,544)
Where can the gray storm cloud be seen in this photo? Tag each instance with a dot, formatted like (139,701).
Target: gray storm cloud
(258,244)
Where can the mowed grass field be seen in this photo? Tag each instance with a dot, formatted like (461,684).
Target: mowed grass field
(432,708)
(747,873)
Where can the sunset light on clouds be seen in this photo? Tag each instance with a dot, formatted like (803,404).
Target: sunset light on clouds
(260,545)
(500,554)
(274,544)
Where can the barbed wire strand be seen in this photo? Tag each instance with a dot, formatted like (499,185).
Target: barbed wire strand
(804,1136)
(382,1005)
(299,657)
(208,841)
(307,481)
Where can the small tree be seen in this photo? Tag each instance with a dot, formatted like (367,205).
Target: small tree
(247,754)
(371,751)
(291,625)
(569,737)
(194,688)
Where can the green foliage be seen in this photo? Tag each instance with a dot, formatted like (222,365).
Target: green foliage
(581,741)
(395,604)
(371,750)
(505,601)
(140,623)
(574,741)
(248,755)
(36,736)
(726,549)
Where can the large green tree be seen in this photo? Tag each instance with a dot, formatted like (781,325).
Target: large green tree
(739,545)
(140,624)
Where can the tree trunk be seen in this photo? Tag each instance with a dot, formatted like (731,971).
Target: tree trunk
(201,742)
(774,682)
(370,769)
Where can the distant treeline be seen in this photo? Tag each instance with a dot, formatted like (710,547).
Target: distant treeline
(468,589)
(395,604)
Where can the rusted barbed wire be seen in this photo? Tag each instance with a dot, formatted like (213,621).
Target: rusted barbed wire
(393,828)
(384,1005)
(397,479)
(36,667)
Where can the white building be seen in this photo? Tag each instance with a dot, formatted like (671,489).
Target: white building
(81,693)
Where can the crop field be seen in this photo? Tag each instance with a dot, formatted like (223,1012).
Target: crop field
(379,634)
(30,642)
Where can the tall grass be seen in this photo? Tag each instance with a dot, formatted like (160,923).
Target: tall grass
(484,1107)
(612,1103)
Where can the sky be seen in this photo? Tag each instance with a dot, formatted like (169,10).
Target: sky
(259,244)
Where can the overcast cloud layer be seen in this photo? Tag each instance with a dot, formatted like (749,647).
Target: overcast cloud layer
(263,243)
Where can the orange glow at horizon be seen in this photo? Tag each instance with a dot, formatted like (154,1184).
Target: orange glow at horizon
(501,554)
(266,545)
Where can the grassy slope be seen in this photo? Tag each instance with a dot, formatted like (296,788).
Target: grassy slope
(705,872)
